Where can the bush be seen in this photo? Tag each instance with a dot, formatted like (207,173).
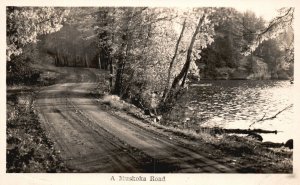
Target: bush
(19,72)
(28,147)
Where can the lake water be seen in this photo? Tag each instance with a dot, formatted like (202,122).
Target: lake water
(238,103)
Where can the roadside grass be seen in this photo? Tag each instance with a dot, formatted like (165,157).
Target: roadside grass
(116,103)
(248,155)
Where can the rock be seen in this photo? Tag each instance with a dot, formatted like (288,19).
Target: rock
(240,73)
(289,143)
(224,73)
(260,69)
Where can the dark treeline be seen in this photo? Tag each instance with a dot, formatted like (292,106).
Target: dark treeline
(68,48)
(224,58)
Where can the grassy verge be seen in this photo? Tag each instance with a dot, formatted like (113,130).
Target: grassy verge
(28,147)
(243,153)
(250,156)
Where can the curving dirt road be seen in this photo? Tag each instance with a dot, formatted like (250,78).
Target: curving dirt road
(92,140)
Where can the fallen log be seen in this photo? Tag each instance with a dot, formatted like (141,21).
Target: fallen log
(217,130)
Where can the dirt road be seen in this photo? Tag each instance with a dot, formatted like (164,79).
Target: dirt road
(92,140)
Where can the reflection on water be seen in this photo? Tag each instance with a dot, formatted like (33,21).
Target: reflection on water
(238,103)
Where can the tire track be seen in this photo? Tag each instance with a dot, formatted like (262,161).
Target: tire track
(139,161)
(188,158)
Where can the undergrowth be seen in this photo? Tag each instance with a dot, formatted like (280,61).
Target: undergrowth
(28,149)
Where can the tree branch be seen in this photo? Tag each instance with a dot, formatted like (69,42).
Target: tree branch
(272,117)
(166,92)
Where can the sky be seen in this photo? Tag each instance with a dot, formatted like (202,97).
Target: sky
(267,12)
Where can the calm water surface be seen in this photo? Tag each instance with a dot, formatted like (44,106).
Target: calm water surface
(238,103)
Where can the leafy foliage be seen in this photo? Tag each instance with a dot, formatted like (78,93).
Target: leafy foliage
(236,34)
(277,26)
(141,44)
(155,49)
(24,24)
(20,72)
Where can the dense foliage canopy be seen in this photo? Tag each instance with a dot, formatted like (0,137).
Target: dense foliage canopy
(160,50)
(24,24)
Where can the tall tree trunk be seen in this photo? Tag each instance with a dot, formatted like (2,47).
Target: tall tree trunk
(119,72)
(99,61)
(119,77)
(62,59)
(167,88)
(106,62)
(86,61)
(55,60)
(111,73)
(122,58)
(185,69)
(186,66)
(66,59)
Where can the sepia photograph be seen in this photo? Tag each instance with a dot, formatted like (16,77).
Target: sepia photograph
(143,91)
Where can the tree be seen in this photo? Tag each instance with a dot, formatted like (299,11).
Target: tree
(125,34)
(225,51)
(25,24)
(235,35)
(153,49)
(278,25)
(167,88)
(280,29)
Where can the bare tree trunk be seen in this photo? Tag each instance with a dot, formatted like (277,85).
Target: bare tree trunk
(55,60)
(122,58)
(185,68)
(111,73)
(120,67)
(119,77)
(66,59)
(167,89)
(86,62)
(99,61)
(75,60)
